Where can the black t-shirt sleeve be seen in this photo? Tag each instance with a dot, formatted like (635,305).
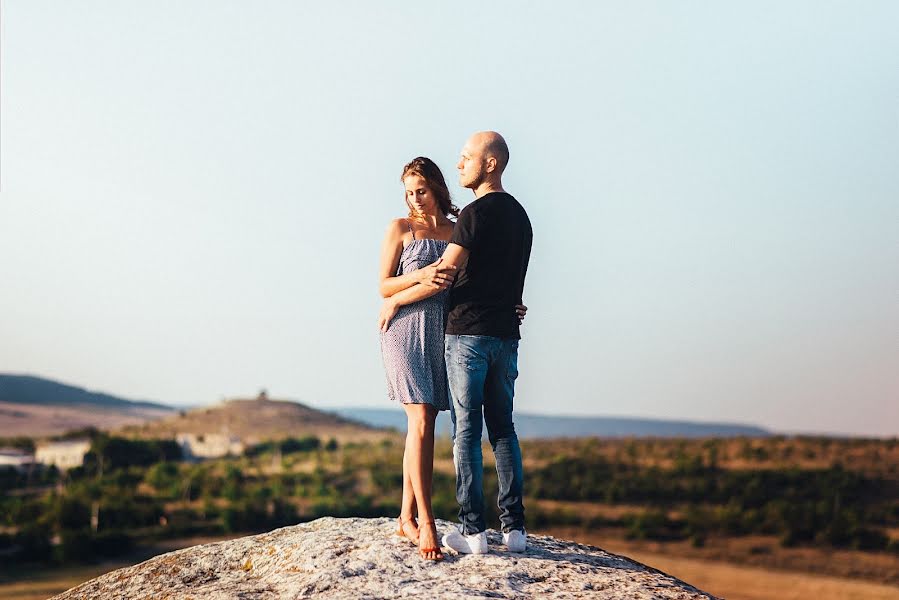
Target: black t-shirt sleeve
(465,232)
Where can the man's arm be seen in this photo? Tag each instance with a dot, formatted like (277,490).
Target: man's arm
(454,256)
(435,275)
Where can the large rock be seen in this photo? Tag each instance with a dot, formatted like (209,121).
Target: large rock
(361,558)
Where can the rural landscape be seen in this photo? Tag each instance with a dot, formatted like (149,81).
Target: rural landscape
(737,516)
(656,240)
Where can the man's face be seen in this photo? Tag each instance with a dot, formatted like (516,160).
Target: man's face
(472,166)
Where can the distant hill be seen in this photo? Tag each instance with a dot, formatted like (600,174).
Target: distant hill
(255,420)
(33,406)
(546,426)
(27,389)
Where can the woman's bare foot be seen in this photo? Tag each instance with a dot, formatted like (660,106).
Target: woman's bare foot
(408,529)
(429,542)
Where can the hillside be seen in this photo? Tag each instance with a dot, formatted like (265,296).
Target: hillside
(547,426)
(27,389)
(33,406)
(260,419)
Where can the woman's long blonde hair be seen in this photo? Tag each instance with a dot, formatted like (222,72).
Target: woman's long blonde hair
(426,169)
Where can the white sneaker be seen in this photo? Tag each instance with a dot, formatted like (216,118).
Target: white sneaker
(466,544)
(515,541)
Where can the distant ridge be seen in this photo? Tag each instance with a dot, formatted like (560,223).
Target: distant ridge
(27,389)
(546,426)
(33,406)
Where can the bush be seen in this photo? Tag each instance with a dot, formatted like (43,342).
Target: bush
(893,546)
(34,542)
(242,517)
(112,543)
(233,485)
(75,545)
(109,453)
(869,539)
(73,513)
(653,524)
(291,445)
(164,477)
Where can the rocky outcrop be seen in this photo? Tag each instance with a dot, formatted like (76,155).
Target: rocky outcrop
(361,558)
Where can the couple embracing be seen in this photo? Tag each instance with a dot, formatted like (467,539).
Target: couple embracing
(449,339)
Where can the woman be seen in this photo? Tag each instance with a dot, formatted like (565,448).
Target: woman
(412,337)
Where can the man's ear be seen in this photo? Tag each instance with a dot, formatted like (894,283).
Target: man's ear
(491,164)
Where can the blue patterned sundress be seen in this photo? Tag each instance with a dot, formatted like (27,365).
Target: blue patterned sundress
(412,346)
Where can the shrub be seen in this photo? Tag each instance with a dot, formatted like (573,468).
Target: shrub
(34,542)
(75,545)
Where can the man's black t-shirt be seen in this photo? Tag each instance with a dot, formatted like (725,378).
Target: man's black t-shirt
(496,231)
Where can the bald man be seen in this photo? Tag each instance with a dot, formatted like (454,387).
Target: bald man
(490,248)
(491,245)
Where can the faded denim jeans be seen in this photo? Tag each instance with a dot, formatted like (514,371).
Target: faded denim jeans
(482,372)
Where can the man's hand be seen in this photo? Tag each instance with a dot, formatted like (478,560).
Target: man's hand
(388,311)
(522,310)
(436,276)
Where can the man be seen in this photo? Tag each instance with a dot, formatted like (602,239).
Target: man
(491,246)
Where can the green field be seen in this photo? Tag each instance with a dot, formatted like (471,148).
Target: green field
(781,503)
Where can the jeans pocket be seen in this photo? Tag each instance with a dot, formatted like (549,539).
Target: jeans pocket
(512,365)
(470,354)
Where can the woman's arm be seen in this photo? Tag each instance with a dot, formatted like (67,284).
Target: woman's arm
(454,256)
(433,276)
(390,260)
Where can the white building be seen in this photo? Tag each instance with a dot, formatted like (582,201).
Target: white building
(209,445)
(64,454)
(17,459)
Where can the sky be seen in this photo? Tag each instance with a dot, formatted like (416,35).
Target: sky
(193,196)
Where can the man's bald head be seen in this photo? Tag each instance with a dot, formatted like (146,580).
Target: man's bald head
(493,145)
(484,157)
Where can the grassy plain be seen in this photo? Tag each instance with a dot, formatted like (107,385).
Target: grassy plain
(736,582)
(643,498)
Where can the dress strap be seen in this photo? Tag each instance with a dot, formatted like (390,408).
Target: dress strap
(409,225)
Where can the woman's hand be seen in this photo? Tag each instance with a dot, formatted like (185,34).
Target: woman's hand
(436,276)
(522,310)
(388,311)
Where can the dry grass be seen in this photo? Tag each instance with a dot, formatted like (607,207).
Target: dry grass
(754,583)
(254,421)
(39,420)
(40,586)
(751,552)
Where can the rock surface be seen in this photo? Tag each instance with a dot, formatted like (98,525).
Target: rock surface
(361,558)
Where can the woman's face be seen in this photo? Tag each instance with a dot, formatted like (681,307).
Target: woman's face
(419,195)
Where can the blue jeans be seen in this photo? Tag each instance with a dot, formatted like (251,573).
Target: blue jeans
(482,372)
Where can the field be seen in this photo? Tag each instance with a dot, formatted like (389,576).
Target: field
(806,517)
(736,582)
(41,420)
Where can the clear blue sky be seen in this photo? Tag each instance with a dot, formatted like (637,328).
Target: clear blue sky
(193,195)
